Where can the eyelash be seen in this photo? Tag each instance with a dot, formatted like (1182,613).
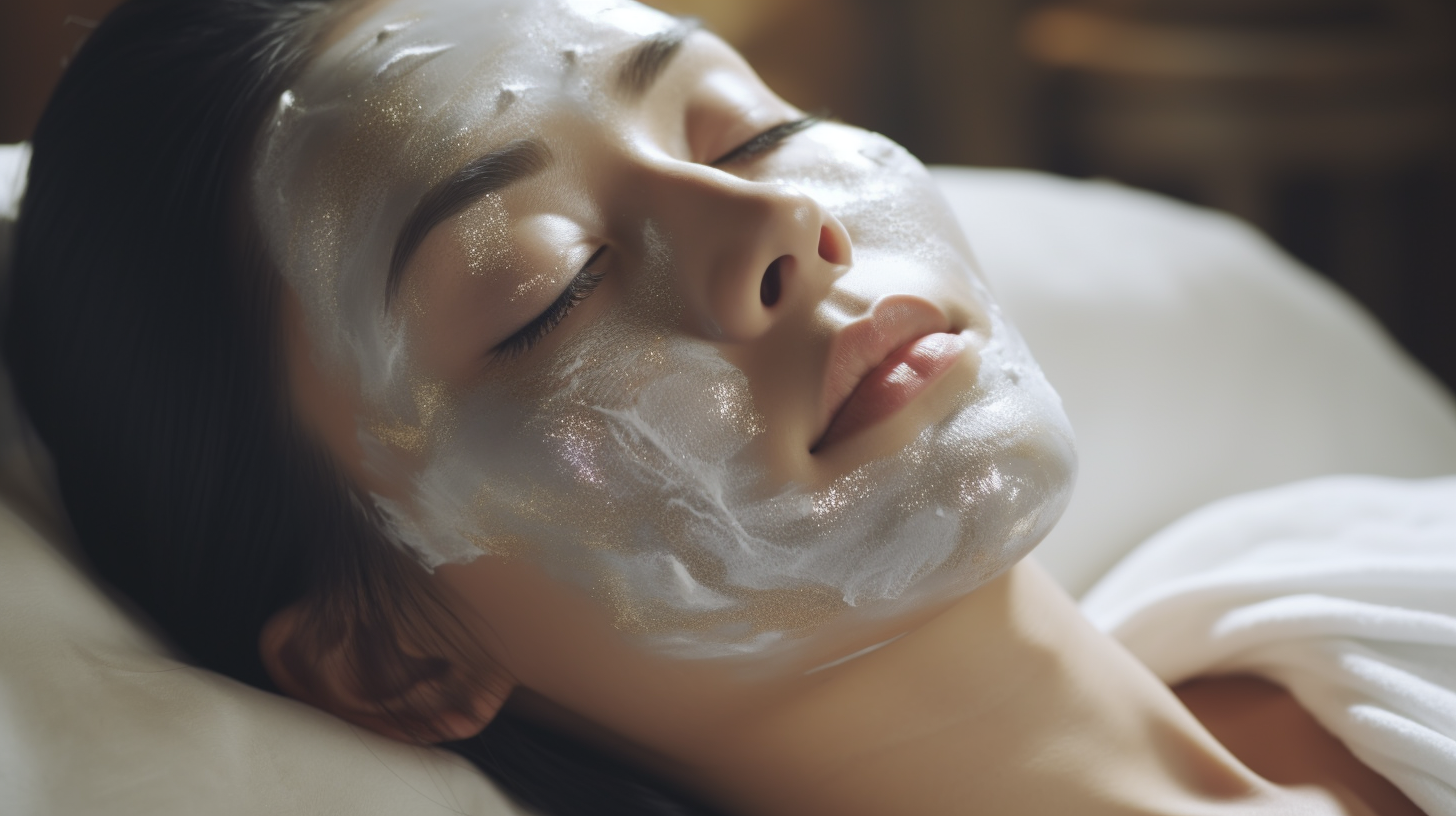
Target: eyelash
(767,140)
(578,290)
(587,279)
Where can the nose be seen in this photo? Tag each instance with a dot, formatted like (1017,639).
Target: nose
(744,253)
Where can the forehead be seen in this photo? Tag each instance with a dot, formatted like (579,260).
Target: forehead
(414,88)
(402,94)
(383,44)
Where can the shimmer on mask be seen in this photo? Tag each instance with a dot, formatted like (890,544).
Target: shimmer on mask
(624,464)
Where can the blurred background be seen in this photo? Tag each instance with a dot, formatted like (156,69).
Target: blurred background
(1330,124)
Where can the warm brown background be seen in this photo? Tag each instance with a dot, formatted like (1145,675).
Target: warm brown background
(1330,123)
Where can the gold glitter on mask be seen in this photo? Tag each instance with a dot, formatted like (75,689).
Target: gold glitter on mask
(532,285)
(432,404)
(578,438)
(485,232)
(842,494)
(735,406)
(411,438)
(500,546)
(433,409)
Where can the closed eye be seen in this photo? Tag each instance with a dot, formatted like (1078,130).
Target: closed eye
(529,335)
(766,141)
(586,280)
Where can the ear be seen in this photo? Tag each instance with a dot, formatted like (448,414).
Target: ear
(431,698)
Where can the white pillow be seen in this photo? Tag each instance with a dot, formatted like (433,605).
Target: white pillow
(95,718)
(1195,359)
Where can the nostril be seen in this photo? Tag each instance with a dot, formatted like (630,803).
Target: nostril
(773,284)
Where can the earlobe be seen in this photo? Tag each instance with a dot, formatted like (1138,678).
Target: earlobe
(445,702)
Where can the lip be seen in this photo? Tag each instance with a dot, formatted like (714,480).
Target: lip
(882,362)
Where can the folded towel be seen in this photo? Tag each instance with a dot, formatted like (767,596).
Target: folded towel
(1342,590)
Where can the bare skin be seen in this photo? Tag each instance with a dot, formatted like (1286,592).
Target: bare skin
(1009,699)
(1266,728)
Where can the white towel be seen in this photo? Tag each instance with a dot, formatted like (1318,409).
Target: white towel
(1342,590)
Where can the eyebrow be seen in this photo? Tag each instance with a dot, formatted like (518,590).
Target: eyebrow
(491,173)
(646,60)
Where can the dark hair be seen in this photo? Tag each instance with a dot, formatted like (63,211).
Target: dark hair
(143,339)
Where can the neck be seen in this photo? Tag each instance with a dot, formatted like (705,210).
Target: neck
(1009,699)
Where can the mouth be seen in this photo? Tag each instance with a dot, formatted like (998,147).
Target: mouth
(881,363)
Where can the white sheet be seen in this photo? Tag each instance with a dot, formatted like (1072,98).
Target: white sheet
(1342,590)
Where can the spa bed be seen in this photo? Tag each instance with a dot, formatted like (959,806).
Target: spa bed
(1196,362)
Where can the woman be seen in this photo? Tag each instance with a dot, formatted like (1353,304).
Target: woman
(420,356)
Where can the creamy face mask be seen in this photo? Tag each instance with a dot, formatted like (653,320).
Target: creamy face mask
(657,449)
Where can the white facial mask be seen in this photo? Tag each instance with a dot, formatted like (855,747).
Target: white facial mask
(626,464)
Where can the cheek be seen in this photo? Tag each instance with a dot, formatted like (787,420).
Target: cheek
(324,400)
(451,325)
(610,471)
(882,194)
(905,236)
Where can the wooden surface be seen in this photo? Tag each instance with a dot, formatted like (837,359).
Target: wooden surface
(36,39)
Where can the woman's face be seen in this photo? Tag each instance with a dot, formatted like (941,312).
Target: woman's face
(615,322)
